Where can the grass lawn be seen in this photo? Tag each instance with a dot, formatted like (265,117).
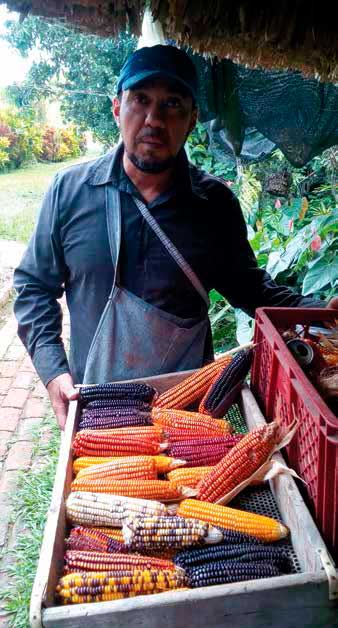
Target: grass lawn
(21,193)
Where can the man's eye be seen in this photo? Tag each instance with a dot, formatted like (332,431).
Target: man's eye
(173,102)
(140,98)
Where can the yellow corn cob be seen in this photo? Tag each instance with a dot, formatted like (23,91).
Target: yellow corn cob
(262,527)
(190,422)
(98,509)
(161,490)
(144,533)
(142,467)
(79,588)
(163,463)
(192,388)
(188,477)
(240,463)
(113,533)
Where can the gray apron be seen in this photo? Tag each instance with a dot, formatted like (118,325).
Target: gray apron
(134,338)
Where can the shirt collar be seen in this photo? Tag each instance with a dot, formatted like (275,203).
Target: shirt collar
(109,169)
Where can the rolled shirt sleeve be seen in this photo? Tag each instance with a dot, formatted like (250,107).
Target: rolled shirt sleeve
(39,282)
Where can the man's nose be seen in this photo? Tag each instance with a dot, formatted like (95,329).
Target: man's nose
(154,115)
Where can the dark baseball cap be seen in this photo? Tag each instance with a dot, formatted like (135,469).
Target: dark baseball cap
(155,62)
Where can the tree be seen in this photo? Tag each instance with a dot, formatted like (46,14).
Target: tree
(77,69)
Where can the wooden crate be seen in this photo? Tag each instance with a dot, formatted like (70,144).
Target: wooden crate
(307,599)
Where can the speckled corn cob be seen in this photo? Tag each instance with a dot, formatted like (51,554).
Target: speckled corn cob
(118,391)
(122,468)
(161,490)
(189,422)
(163,463)
(143,533)
(246,552)
(98,509)
(264,528)
(236,420)
(203,452)
(79,588)
(217,399)
(114,421)
(240,463)
(223,572)
(98,561)
(192,388)
(93,540)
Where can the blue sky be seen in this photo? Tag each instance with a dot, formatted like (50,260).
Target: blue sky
(12,66)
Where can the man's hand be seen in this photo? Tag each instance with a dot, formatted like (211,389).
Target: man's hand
(333,303)
(61,391)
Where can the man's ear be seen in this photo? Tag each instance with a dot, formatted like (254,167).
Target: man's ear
(116,110)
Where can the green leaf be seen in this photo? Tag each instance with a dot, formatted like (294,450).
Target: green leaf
(323,273)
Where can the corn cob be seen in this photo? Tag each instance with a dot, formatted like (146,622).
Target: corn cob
(99,561)
(203,452)
(93,540)
(94,509)
(115,421)
(123,468)
(144,470)
(108,442)
(106,406)
(189,422)
(192,388)
(76,588)
(246,552)
(188,477)
(118,391)
(264,528)
(143,533)
(236,420)
(163,463)
(223,389)
(222,572)
(113,533)
(240,463)
(160,490)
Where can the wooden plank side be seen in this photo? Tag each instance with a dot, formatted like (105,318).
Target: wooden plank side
(50,564)
(287,602)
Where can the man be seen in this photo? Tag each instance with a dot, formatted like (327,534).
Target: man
(137,239)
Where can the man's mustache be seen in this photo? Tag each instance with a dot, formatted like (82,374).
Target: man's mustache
(156,133)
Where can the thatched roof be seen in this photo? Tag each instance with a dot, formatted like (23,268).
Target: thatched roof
(294,34)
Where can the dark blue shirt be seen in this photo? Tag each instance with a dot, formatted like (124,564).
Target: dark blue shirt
(69,251)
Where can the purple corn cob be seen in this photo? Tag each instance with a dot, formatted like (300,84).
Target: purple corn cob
(222,572)
(134,418)
(116,404)
(118,391)
(246,552)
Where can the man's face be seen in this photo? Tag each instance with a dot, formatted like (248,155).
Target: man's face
(155,120)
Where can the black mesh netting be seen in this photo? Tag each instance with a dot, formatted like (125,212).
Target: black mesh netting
(250,112)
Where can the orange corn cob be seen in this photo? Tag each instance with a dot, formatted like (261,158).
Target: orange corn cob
(124,469)
(184,421)
(77,560)
(240,463)
(100,443)
(144,432)
(192,388)
(113,533)
(94,540)
(159,490)
(163,463)
(188,477)
(264,528)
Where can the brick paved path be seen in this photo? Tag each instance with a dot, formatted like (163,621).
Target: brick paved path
(23,403)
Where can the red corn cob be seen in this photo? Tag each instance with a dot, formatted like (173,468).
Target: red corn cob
(98,561)
(93,540)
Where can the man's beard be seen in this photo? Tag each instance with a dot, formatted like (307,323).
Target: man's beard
(152,167)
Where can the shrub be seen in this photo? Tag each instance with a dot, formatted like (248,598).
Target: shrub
(61,144)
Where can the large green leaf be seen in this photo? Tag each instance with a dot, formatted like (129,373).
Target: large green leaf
(323,273)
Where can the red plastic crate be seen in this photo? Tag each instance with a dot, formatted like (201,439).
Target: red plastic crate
(313,452)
